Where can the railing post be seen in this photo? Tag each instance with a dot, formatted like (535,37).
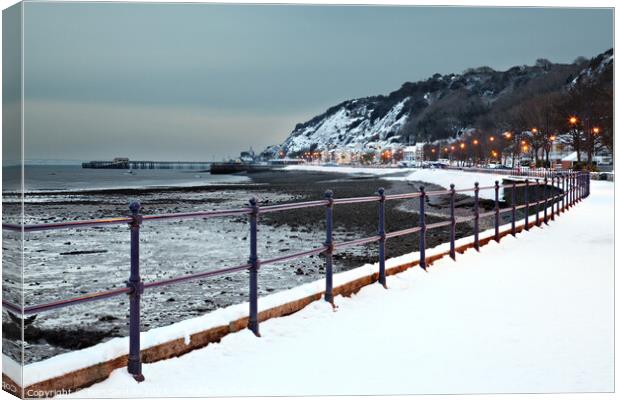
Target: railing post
(254,265)
(527,204)
(567,206)
(537,197)
(586,175)
(513,228)
(545,203)
(554,197)
(585,184)
(582,190)
(476,217)
(381,232)
(577,187)
(572,189)
(134,363)
(572,192)
(329,242)
(422,230)
(497,211)
(453,223)
(563,195)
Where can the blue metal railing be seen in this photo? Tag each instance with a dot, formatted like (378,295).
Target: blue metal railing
(571,188)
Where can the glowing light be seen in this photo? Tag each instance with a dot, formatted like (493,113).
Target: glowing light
(475,141)
(596,130)
(432,150)
(508,135)
(462,146)
(534,130)
(572,120)
(492,138)
(451,147)
(552,138)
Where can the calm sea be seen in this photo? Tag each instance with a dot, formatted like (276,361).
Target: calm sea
(43,178)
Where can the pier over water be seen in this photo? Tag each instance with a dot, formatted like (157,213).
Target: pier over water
(125,163)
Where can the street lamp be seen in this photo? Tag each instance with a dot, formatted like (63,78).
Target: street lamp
(534,130)
(595,130)
(572,120)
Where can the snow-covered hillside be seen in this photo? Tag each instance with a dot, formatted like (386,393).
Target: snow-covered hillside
(438,108)
(350,126)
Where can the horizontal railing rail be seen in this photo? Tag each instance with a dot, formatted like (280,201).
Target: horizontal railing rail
(571,187)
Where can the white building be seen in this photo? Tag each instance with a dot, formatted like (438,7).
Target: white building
(414,153)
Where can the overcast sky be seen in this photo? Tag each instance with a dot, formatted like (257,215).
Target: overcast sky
(198,81)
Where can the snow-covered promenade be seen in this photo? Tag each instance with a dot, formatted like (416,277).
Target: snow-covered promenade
(531,314)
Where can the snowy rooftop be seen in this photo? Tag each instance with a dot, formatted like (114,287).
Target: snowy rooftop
(531,314)
(573,156)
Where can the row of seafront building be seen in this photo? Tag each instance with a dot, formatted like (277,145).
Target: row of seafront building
(561,155)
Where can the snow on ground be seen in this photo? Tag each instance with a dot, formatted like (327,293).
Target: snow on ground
(460,179)
(441,177)
(531,314)
(348,170)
